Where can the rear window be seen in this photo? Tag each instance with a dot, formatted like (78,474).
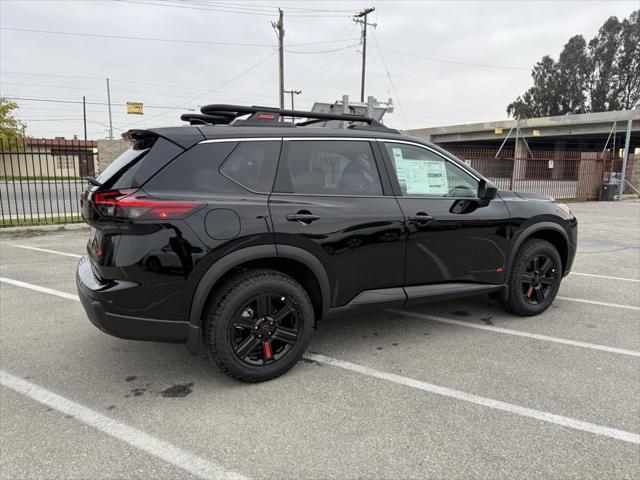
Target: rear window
(115,168)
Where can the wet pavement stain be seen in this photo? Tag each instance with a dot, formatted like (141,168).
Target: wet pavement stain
(460,313)
(394,344)
(177,391)
(487,320)
(137,392)
(111,407)
(130,378)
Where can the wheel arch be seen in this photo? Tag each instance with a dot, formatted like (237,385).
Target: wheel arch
(299,264)
(549,231)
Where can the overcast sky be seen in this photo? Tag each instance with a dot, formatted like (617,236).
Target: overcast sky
(476,56)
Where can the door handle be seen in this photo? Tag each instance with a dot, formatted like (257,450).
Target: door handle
(420,218)
(305,218)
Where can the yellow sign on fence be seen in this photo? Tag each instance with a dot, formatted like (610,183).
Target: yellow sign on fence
(134,108)
(497,131)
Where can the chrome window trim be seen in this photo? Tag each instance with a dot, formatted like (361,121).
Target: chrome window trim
(248,139)
(419,145)
(350,139)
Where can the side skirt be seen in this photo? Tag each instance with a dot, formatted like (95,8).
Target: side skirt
(409,296)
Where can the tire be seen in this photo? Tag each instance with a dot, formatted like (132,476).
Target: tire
(533,283)
(258,303)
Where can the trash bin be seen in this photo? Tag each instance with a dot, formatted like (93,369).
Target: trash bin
(609,191)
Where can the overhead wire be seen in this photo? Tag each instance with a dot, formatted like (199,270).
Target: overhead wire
(393,87)
(160,39)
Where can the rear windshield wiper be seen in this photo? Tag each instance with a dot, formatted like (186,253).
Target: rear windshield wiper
(93,181)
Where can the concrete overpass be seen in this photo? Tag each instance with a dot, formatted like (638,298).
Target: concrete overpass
(587,131)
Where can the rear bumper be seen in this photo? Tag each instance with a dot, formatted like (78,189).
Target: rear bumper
(94,296)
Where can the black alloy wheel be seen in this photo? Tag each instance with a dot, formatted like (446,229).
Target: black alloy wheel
(533,279)
(265,329)
(539,279)
(258,324)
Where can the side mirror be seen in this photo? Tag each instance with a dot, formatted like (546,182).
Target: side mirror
(487,190)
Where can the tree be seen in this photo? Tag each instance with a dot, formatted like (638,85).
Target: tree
(628,61)
(600,76)
(11,129)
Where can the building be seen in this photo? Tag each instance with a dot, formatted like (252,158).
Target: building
(568,156)
(49,157)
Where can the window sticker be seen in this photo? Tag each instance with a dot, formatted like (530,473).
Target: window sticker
(420,177)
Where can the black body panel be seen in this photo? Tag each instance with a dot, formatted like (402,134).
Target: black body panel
(150,279)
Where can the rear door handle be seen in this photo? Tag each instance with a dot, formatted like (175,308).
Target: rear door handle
(302,217)
(420,218)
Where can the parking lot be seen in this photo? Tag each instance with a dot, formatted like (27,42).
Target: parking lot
(455,389)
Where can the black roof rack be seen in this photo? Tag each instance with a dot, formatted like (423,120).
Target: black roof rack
(217,114)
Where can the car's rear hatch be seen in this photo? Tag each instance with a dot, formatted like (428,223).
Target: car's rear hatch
(115,204)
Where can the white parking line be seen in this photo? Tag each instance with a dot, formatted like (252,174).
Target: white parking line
(410,382)
(478,400)
(38,288)
(602,304)
(45,250)
(166,451)
(518,333)
(607,277)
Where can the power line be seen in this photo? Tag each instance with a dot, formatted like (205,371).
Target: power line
(60,100)
(393,87)
(324,51)
(159,39)
(223,9)
(453,62)
(125,81)
(255,65)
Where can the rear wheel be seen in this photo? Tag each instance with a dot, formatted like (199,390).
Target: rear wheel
(258,325)
(534,278)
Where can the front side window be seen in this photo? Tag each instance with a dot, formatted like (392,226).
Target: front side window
(329,167)
(421,172)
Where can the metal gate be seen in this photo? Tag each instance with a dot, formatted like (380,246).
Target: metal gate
(41,180)
(568,175)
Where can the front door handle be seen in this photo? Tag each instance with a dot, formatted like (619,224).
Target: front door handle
(305,217)
(420,218)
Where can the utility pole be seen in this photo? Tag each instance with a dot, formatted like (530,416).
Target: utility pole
(279,28)
(361,18)
(293,92)
(84,116)
(109,102)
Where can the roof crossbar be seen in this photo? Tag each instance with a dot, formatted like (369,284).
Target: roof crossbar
(216,114)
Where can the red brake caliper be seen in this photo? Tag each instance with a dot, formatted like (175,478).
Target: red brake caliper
(266,345)
(529,292)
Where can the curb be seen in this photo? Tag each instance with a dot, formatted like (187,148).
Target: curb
(42,229)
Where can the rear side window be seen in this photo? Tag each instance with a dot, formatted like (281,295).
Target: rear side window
(195,172)
(328,167)
(253,165)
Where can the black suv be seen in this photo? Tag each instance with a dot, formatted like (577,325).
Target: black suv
(242,231)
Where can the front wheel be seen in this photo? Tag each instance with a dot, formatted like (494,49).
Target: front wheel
(258,325)
(534,279)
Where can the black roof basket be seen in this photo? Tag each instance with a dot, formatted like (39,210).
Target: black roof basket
(216,114)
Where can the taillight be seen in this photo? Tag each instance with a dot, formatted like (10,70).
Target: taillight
(126,205)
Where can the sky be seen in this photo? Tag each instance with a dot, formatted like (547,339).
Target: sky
(441,62)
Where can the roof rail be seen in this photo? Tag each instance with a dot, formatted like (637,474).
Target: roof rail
(216,114)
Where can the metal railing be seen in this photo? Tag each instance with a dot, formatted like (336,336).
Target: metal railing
(568,175)
(41,180)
